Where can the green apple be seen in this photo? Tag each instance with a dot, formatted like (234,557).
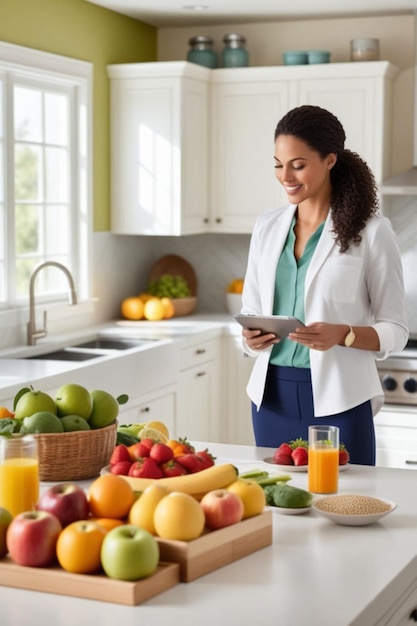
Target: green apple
(129,553)
(5,519)
(105,409)
(74,422)
(73,399)
(41,422)
(32,402)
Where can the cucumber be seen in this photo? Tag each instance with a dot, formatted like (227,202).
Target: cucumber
(287,497)
(125,438)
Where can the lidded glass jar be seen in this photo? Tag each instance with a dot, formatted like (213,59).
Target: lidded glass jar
(201,51)
(234,53)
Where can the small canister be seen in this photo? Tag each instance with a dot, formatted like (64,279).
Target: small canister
(201,51)
(364,49)
(234,53)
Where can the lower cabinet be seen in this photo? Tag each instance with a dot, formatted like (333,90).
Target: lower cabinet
(239,368)
(198,398)
(396,437)
(159,405)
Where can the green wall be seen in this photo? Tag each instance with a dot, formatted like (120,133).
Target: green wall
(78,29)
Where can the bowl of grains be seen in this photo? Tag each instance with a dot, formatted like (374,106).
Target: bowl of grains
(352,510)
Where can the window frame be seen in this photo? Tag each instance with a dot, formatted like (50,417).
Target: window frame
(18,64)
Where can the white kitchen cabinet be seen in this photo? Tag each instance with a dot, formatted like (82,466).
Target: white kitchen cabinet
(396,437)
(159,148)
(198,400)
(246,105)
(239,414)
(159,406)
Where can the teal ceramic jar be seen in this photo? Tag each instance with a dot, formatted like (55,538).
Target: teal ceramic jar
(201,51)
(234,53)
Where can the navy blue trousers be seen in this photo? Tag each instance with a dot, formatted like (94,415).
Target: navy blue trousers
(287,412)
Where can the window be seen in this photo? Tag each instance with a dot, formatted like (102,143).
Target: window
(45,173)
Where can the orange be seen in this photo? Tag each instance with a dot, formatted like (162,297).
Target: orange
(132,308)
(110,495)
(79,545)
(154,309)
(235,286)
(169,309)
(108,522)
(145,296)
(4,412)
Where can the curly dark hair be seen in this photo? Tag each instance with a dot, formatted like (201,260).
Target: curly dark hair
(354,195)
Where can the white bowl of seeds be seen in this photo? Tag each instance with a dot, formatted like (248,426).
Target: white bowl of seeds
(352,510)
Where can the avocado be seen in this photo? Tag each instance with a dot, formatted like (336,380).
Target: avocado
(286,496)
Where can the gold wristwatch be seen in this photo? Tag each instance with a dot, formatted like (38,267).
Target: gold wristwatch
(350,337)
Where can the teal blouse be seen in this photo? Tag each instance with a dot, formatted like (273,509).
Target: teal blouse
(289,296)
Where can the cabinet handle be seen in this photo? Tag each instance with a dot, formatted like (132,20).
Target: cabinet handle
(413,615)
(199,374)
(200,351)
(145,409)
(408,462)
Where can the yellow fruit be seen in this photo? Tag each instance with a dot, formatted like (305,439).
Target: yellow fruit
(145,296)
(169,309)
(235,286)
(153,309)
(142,511)
(251,494)
(132,308)
(179,516)
(152,433)
(159,426)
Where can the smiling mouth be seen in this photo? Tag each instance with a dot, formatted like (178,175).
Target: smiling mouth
(292,188)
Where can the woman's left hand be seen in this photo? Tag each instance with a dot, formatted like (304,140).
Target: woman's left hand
(320,335)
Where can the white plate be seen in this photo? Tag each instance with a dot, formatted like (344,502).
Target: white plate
(296,468)
(352,520)
(288,511)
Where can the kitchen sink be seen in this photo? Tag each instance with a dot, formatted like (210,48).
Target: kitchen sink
(66,355)
(104,343)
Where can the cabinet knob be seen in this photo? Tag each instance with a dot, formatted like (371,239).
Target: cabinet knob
(413,615)
(206,220)
(200,351)
(144,409)
(199,374)
(218,220)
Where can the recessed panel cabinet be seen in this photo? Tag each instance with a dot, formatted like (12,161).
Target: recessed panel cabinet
(192,148)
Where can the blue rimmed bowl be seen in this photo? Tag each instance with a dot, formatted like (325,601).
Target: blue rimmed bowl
(318,56)
(295,57)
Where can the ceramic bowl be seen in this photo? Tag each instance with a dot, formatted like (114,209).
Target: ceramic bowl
(318,56)
(234,303)
(295,57)
(344,519)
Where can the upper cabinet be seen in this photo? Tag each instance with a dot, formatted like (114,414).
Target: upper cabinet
(192,148)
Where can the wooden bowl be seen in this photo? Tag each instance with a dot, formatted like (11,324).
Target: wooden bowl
(184,306)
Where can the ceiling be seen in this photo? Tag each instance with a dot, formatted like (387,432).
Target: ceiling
(166,13)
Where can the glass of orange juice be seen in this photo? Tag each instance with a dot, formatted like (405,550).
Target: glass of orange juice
(323,459)
(19,474)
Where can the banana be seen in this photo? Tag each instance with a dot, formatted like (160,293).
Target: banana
(197,484)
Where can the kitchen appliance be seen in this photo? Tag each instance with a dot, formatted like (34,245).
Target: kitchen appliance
(398,375)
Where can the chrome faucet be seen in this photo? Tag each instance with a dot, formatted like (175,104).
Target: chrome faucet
(32,333)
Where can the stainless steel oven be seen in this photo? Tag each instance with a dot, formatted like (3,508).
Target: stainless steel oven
(398,375)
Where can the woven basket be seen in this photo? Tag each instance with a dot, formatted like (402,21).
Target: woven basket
(75,455)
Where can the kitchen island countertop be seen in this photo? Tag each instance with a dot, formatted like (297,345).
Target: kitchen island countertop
(314,573)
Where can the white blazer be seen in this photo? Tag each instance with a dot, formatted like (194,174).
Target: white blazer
(361,287)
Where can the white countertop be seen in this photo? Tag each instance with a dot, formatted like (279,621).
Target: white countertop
(315,573)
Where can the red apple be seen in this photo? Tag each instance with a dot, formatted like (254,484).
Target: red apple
(67,501)
(31,538)
(220,509)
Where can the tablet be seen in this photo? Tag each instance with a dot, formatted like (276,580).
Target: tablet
(280,325)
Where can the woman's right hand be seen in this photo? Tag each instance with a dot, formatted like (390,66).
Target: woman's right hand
(255,340)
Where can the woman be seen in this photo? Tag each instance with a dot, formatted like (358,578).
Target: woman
(329,259)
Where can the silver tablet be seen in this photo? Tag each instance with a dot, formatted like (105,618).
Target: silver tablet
(280,325)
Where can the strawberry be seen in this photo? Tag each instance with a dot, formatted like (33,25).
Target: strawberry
(192,462)
(173,468)
(120,453)
(207,456)
(298,443)
(284,448)
(145,468)
(148,442)
(161,453)
(138,451)
(121,467)
(343,455)
(282,455)
(300,456)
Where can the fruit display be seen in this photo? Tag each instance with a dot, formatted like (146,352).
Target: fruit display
(72,408)
(235,286)
(296,453)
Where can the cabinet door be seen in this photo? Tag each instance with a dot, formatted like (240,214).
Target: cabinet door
(239,413)
(361,106)
(159,154)
(159,406)
(244,116)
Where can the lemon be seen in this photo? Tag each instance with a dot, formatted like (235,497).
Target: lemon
(153,309)
(132,308)
(159,426)
(152,433)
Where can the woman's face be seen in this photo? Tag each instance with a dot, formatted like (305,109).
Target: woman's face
(302,171)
